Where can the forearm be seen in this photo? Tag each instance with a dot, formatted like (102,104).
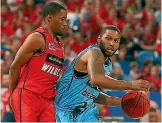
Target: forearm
(107,82)
(108,100)
(113,101)
(14,74)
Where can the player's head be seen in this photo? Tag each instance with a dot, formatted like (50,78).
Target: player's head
(109,40)
(153,117)
(55,15)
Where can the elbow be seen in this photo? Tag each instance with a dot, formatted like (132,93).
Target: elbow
(14,66)
(94,80)
(11,68)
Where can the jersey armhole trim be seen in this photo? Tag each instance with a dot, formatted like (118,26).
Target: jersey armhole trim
(40,54)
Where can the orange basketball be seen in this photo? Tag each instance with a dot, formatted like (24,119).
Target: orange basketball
(135,104)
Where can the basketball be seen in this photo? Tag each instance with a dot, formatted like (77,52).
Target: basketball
(135,104)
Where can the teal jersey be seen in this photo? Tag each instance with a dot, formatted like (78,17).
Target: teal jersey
(73,90)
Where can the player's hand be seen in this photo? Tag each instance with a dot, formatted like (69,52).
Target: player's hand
(141,85)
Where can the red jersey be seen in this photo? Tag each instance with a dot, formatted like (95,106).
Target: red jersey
(157,81)
(41,73)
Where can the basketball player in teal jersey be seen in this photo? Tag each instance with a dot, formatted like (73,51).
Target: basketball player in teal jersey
(78,88)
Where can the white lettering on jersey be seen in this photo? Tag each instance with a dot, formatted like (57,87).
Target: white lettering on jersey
(56,71)
(45,67)
(88,94)
(51,69)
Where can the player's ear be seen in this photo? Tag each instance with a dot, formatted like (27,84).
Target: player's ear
(49,18)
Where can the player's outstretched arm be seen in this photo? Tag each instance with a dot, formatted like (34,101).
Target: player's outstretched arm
(107,100)
(95,63)
(32,43)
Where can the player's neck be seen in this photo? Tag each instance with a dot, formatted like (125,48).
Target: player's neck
(49,30)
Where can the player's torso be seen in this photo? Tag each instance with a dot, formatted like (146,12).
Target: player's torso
(77,91)
(73,90)
(42,72)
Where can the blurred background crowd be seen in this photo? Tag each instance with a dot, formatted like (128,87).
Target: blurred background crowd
(139,55)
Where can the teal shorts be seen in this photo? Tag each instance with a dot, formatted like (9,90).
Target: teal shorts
(89,114)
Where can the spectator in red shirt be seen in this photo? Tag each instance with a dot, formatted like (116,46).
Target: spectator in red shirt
(74,5)
(79,43)
(18,23)
(5,100)
(155,78)
(129,18)
(6,28)
(123,9)
(137,31)
(89,24)
(158,40)
(151,20)
(33,11)
(29,7)
(143,15)
(104,9)
(127,36)
(112,19)
(145,70)
(27,28)
(148,38)
(6,14)
(35,17)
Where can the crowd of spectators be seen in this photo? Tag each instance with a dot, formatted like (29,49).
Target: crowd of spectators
(139,54)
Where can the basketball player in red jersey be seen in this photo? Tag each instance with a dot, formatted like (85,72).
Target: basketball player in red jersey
(36,68)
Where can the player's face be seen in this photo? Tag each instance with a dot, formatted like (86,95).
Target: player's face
(109,42)
(153,117)
(59,23)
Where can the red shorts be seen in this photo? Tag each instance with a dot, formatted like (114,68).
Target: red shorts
(30,107)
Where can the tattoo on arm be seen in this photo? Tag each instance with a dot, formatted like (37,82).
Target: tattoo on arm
(101,99)
(107,100)
(95,62)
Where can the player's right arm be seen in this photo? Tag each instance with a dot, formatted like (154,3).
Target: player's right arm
(33,42)
(95,61)
(104,99)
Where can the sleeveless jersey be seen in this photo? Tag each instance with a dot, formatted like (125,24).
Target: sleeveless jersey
(41,73)
(73,91)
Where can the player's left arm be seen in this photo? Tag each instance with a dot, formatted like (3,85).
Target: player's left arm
(107,100)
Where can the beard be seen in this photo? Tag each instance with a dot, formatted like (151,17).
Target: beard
(103,50)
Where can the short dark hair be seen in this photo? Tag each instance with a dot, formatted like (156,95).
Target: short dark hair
(51,8)
(109,27)
(152,109)
(147,62)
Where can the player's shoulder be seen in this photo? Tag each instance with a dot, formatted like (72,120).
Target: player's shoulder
(95,52)
(92,53)
(35,37)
